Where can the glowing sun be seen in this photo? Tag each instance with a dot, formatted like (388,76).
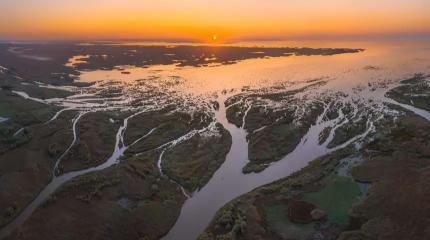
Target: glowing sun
(214,37)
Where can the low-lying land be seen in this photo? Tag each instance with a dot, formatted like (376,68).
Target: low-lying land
(349,194)
(95,143)
(49,63)
(131,200)
(374,188)
(26,160)
(193,162)
(128,201)
(414,91)
(275,122)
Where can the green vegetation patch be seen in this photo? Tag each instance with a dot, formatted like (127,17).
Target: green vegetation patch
(414,91)
(336,198)
(6,110)
(279,223)
(274,142)
(193,162)
(22,111)
(347,132)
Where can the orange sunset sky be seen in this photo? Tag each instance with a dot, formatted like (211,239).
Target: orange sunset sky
(200,20)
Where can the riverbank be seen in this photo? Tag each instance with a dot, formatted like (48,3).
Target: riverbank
(154,154)
(353,193)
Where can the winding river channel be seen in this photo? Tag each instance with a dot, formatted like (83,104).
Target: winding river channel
(58,181)
(228,182)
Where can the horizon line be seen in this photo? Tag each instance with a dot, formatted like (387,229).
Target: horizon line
(358,37)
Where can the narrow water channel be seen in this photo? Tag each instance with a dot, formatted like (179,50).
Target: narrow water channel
(229,182)
(58,181)
(3,119)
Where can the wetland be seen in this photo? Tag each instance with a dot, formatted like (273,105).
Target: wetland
(182,141)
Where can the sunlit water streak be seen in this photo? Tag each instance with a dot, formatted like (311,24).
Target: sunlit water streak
(193,88)
(3,119)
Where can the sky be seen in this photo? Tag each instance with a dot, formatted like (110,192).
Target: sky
(200,20)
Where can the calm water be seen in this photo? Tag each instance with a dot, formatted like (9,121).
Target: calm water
(355,73)
(363,76)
